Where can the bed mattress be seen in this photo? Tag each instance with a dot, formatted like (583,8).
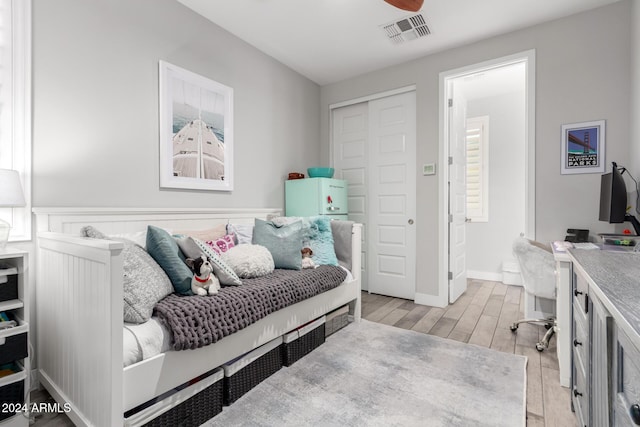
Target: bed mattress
(145,340)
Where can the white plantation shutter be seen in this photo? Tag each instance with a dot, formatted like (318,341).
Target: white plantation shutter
(477,169)
(15,106)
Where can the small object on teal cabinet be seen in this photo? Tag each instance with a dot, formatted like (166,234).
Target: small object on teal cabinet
(320,172)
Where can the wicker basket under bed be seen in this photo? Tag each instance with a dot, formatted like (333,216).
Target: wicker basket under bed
(244,379)
(190,404)
(303,342)
(336,320)
(195,411)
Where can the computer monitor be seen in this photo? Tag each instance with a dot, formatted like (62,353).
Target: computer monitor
(613,199)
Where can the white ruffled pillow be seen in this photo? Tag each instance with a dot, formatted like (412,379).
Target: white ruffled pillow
(249,261)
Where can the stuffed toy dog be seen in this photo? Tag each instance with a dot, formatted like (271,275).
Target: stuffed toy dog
(203,279)
(307,262)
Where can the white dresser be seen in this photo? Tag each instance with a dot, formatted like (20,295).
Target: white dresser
(605,337)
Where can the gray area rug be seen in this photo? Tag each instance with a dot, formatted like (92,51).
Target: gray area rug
(369,374)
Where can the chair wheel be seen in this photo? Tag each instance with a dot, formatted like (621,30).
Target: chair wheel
(514,327)
(539,347)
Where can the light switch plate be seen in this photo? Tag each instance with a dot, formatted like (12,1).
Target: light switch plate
(429,169)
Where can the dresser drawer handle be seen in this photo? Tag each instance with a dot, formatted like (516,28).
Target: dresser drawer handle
(576,393)
(634,412)
(576,343)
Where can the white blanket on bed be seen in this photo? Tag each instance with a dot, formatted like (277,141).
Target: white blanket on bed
(144,340)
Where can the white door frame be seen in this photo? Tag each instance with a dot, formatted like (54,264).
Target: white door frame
(528,58)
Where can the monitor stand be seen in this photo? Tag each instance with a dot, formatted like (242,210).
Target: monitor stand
(634,221)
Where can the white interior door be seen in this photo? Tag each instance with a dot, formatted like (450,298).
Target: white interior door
(392,196)
(457,193)
(350,140)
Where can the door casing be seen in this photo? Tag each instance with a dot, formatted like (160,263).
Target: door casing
(528,58)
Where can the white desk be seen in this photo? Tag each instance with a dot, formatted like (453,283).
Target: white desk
(563,314)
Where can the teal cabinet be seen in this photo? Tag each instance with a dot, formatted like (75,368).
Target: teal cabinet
(316,196)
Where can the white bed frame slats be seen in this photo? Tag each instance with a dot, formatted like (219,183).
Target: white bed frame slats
(77,338)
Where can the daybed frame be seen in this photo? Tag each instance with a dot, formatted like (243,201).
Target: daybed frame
(79,311)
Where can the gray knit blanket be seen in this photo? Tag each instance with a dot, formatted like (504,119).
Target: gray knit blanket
(196,321)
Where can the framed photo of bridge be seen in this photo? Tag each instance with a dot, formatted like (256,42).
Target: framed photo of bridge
(196,131)
(583,147)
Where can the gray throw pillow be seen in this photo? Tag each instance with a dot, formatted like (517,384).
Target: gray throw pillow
(243,232)
(284,241)
(145,282)
(342,241)
(193,248)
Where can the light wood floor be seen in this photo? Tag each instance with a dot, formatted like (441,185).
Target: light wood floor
(482,316)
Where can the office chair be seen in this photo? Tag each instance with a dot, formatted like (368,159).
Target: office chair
(537,267)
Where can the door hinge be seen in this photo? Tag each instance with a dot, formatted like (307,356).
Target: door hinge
(450,160)
(450,276)
(450,217)
(450,102)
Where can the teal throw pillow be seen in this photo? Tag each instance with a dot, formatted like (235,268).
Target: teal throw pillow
(284,241)
(164,249)
(320,240)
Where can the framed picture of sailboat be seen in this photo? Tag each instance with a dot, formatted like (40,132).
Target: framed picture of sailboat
(196,131)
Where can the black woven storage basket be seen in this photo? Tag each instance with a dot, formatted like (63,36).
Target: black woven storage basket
(296,350)
(14,348)
(9,289)
(251,375)
(194,411)
(335,323)
(11,393)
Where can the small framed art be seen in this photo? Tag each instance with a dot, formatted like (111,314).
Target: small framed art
(196,131)
(583,147)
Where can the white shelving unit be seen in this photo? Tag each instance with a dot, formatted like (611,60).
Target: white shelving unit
(14,341)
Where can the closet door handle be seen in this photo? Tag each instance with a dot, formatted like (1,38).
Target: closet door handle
(577,292)
(576,343)
(576,393)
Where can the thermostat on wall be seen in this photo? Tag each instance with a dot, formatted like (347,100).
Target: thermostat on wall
(429,169)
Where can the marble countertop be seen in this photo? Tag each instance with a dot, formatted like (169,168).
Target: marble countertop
(616,276)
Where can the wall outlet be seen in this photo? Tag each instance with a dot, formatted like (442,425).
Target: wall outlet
(429,169)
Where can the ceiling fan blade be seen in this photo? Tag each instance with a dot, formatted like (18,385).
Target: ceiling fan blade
(410,5)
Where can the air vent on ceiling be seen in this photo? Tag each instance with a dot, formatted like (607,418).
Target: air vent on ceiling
(406,29)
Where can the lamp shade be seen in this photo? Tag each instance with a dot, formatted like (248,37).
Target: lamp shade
(11,194)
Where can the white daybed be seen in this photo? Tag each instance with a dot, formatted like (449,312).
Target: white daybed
(79,305)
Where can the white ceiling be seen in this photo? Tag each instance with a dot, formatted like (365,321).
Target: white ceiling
(332,40)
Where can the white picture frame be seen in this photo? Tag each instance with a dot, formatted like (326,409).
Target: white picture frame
(196,131)
(583,147)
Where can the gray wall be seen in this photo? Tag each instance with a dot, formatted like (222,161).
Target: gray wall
(95,105)
(582,73)
(489,243)
(635,92)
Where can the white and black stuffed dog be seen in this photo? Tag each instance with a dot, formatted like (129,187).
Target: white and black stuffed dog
(203,278)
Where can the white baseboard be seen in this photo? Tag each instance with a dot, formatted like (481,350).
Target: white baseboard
(34,380)
(432,300)
(484,275)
